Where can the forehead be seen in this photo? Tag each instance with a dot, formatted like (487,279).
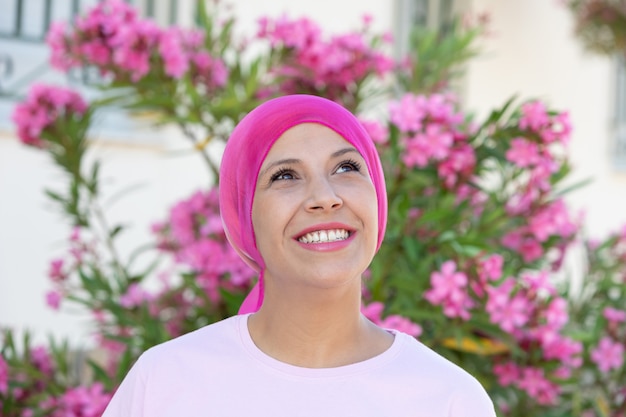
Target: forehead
(308,136)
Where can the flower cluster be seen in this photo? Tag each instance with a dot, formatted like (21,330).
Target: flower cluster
(449,289)
(530,310)
(81,401)
(27,375)
(195,235)
(112,38)
(80,252)
(527,308)
(309,63)
(533,154)
(433,132)
(44,108)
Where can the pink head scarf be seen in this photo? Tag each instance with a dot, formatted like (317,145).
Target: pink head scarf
(246,150)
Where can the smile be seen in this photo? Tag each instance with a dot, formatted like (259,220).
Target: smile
(324,236)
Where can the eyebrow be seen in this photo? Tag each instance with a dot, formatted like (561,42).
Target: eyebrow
(292,161)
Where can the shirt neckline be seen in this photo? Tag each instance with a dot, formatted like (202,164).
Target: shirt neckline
(297,371)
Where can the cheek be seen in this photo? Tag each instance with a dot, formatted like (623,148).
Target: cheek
(268,221)
(259,222)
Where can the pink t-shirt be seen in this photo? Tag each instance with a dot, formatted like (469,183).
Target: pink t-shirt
(219,371)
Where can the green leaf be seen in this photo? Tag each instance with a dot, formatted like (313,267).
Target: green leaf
(55,196)
(115,231)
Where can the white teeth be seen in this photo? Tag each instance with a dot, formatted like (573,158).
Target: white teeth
(325,236)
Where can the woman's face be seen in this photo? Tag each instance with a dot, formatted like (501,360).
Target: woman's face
(315,214)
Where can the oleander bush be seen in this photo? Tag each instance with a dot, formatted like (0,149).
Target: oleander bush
(478,227)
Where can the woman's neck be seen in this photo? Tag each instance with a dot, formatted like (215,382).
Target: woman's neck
(317,332)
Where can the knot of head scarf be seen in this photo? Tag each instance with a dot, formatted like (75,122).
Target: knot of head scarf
(246,150)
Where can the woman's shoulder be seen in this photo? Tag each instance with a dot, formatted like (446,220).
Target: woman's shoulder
(443,379)
(208,340)
(421,360)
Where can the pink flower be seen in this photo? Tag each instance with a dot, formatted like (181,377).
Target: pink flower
(195,235)
(90,41)
(61,57)
(298,33)
(53,299)
(96,52)
(433,142)
(83,402)
(208,71)
(534,116)
(530,250)
(75,235)
(553,219)
(314,64)
(491,268)
(174,56)
(608,354)
(521,203)
(437,141)
(507,373)
(373,311)
(55,273)
(540,174)
(134,296)
(523,153)
(540,283)
(556,314)
(508,311)
(42,360)
(43,107)
(408,113)
(460,162)
(614,315)
(133,45)
(416,153)
(4,376)
(565,350)
(377,131)
(534,382)
(560,129)
(513,239)
(401,324)
(449,289)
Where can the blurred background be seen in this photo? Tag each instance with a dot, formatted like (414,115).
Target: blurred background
(530,50)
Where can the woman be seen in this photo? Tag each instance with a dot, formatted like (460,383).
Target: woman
(303,202)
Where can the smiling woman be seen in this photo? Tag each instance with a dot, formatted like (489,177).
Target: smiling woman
(303,201)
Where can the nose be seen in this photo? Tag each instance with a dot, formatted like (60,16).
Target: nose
(323,196)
